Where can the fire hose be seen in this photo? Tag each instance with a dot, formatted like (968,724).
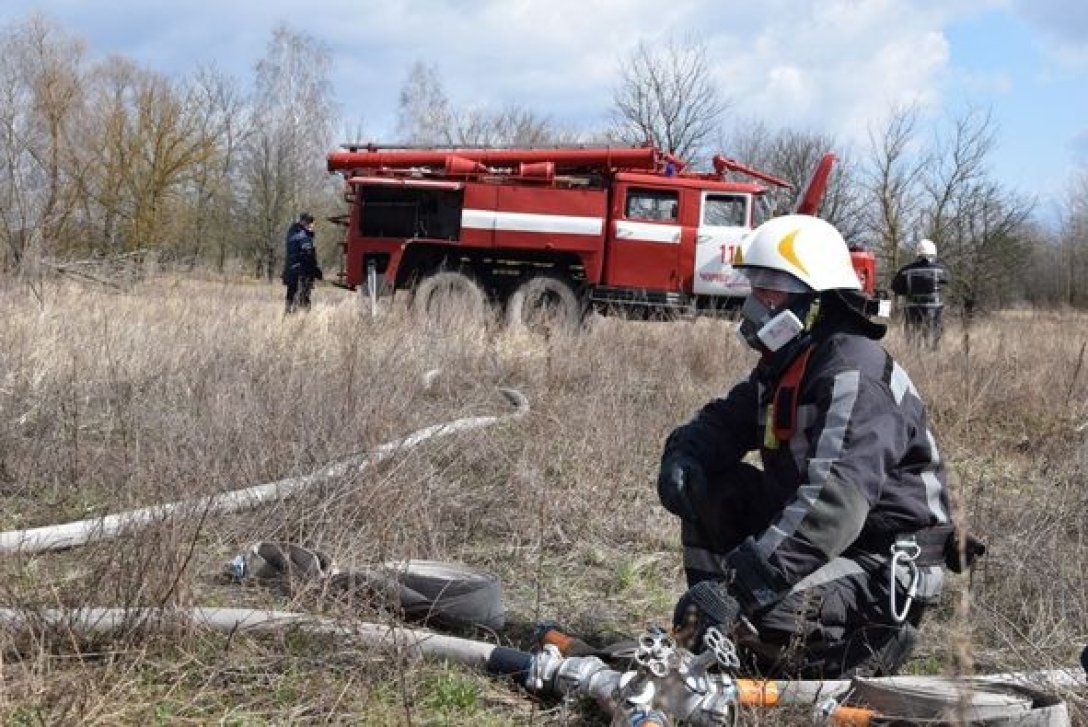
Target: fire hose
(107,527)
(666,684)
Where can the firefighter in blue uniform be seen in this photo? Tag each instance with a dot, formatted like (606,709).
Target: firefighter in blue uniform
(921,283)
(300,267)
(820,563)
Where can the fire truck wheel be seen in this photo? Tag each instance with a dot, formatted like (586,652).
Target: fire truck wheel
(449,298)
(545,303)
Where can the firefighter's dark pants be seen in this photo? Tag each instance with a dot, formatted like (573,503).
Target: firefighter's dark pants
(298,291)
(924,323)
(834,623)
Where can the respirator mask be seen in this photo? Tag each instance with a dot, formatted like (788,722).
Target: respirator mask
(765,329)
(768,329)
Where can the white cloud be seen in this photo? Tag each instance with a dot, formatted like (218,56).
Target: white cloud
(788,83)
(837,67)
(830,65)
(1066,19)
(513,49)
(1062,30)
(834,66)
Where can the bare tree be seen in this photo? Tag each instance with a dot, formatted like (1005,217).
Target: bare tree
(40,96)
(108,152)
(665,95)
(290,131)
(957,163)
(1059,261)
(891,182)
(426,117)
(517,125)
(979,226)
(943,191)
(116,158)
(212,230)
(1071,244)
(174,144)
(143,137)
(793,155)
(423,115)
(987,242)
(472,126)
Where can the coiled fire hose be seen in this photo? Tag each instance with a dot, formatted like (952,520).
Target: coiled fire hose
(436,593)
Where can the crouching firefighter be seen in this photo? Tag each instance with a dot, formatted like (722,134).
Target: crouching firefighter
(822,563)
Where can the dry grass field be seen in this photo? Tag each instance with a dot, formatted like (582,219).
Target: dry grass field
(178,387)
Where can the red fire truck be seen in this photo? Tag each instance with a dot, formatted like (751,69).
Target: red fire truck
(554,230)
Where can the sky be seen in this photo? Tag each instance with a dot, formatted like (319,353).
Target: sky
(828,66)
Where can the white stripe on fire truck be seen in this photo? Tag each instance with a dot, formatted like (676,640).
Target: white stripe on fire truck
(646,232)
(529,222)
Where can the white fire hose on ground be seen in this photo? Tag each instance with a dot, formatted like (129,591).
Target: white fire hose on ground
(82,532)
(664,677)
(667,683)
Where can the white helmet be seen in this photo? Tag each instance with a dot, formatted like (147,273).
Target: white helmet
(925,247)
(805,247)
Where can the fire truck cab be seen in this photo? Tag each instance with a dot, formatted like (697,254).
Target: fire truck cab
(552,230)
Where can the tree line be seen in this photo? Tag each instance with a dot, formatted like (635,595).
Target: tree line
(107,158)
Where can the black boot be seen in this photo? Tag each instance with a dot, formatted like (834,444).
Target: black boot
(888,657)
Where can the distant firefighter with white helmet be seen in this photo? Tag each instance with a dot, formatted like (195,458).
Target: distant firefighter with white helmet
(804,560)
(921,283)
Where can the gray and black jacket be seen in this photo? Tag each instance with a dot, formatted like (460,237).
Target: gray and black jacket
(860,468)
(922,282)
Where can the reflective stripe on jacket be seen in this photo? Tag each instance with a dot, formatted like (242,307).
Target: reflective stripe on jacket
(861,463)
(921,282)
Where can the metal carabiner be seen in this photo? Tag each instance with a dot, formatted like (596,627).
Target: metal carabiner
(905,552)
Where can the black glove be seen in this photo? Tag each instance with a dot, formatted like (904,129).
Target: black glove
(706,604)
(681,487)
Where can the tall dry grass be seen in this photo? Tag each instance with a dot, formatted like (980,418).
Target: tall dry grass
(181,387)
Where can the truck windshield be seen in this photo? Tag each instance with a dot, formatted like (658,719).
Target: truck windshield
(725,210)
(761,211)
